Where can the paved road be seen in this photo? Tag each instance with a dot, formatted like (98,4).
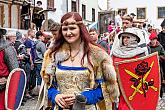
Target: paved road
(30,104)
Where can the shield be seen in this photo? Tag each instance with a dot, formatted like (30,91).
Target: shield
(15,88)
(139,81)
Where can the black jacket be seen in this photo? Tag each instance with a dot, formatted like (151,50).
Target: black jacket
(161,39)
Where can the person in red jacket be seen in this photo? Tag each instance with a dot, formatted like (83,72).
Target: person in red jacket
(8,62)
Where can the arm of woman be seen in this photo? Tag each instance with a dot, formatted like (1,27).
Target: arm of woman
(109,75)
(93,96)
(52,92)
(57,98)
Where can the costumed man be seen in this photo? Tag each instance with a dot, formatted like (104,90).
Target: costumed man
(8,62)
(38,16)
(126,49)
(25,15)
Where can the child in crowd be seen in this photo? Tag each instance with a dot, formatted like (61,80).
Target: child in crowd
(155,46)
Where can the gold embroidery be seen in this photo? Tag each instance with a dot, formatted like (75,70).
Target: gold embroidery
(72,81)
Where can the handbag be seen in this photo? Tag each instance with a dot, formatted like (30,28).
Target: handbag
(79,103)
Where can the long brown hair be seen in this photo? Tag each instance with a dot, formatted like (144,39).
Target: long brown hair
(83,32)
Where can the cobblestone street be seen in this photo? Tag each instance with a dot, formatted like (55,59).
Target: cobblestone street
(161,104)
(30,104)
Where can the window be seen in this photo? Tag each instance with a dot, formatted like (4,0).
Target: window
(15,1)
(141,13)
(93,14)
(1,15)
(74,6)
(123,11)
(161,12)
(50,4)
(83,11)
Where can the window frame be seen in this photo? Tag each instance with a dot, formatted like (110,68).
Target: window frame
(50,4)
(122,10)
(83,11)
(93,15)
(158,11)
(73,6)
(145,13)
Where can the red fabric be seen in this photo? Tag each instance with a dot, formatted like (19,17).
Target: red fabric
(117,59)
(139,101)
(4,71)
(2,100)
(122,103)
(110,28)
(13,87)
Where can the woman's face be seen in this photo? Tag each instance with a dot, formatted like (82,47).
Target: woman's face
(71,32)
(125,40)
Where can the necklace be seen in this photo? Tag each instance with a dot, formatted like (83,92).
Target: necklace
(72,58)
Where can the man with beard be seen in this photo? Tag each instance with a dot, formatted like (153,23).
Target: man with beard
(8,62)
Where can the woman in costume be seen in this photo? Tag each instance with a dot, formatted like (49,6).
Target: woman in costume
(75,65)
(125,50)
(8,62)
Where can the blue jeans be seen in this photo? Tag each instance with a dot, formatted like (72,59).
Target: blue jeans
(38,70)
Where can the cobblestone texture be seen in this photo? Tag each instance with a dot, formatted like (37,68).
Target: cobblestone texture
(30,104)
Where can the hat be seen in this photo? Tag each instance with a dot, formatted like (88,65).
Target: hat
(132,32)
(11,33)
(153,35)
(39,33)
(132,14)
(163,23)
(2,31)
(39,2)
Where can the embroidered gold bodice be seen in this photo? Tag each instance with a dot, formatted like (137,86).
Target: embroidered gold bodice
(72,79)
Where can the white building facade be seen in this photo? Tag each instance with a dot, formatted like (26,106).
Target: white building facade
(88,9)
(151,10)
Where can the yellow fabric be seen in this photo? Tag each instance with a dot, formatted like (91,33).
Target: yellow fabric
(103,69)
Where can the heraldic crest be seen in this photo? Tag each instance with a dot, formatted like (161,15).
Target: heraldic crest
(139,81)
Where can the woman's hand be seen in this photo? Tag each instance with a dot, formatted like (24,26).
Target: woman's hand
(70,99)
(60,100)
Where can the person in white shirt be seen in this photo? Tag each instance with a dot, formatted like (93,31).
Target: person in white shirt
(118,19)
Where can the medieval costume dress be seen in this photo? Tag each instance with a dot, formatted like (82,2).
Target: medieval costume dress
(97,83)
(131,51)
(8,62)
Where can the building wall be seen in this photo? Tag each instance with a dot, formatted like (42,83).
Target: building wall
(64,6)
(6,16)
(132,5)
(61,9)
(14,15)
